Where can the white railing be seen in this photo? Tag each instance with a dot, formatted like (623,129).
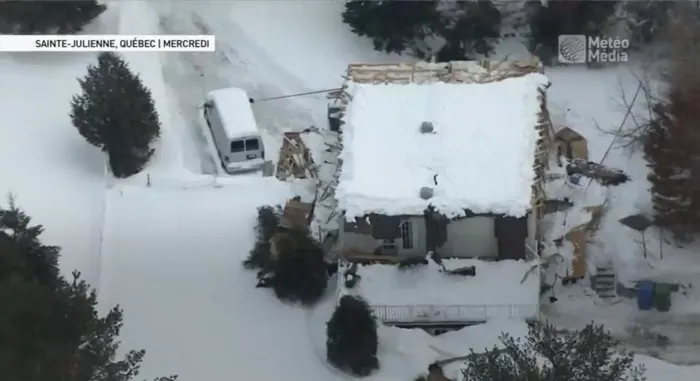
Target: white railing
(443,314)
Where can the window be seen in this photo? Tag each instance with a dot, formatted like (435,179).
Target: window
(252,145)
(406,234)
(237,146)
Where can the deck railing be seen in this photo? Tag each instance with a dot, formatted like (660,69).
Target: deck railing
(446,314)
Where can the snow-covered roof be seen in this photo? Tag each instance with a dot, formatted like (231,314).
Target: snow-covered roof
(233,105)
(480,156)
(499,289)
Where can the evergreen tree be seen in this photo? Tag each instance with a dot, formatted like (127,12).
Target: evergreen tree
(590,354)
(116,113)
(259,257)
(645,20)
(43,17)
(299,269)
(50,327)
(394,26)
(352,339)
(671,148)
(549,21)
(470,28)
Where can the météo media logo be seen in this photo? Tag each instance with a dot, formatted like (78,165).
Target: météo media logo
(580,49)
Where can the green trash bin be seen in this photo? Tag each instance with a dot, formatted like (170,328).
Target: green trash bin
(662,297)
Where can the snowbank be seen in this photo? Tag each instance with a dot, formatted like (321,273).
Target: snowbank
(137,17)
(480,156)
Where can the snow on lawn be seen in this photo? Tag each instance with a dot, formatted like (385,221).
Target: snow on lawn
(172,259)
(602,106)
(56,176)
(601,109)
(499,289)
(375,179)
(307,38)
(578,304)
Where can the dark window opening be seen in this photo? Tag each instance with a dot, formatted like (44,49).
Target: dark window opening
(237,146)
(406,235)
(252,145)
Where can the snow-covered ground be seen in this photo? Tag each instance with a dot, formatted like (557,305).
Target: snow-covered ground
(594,116)
(435,294)
(171,251)
(52,173)
(172,260)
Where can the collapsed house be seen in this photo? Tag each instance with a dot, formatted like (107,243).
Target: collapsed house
(444,158)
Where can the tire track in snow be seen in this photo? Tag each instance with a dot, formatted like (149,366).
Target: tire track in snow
(190,75)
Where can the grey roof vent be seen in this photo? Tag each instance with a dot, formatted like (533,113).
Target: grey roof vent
(427,128)
(426,193)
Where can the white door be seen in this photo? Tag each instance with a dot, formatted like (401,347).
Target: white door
(471,237)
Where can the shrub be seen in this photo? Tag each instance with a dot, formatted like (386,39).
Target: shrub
(590,354)
(559,17)
(471,28)
(300,269)
(417,27)
(116,113)
(352,339)
(259,257)
(394,26)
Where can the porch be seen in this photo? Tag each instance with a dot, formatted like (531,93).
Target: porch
(453,292)
(447,315)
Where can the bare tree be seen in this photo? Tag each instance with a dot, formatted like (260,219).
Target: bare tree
(668,63)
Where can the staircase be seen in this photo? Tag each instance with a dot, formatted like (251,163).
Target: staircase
(605,282)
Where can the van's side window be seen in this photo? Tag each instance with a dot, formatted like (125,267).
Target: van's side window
(237,146)
(252,145)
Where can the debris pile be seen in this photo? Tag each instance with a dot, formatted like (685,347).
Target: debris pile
(295,159)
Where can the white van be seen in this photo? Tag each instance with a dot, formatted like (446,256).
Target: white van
(234,131)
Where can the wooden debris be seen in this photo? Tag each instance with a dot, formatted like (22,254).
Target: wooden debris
(570,144)
(295,159)
(554,205)
(604,175)
(412,262)
(463,271)
(297,215)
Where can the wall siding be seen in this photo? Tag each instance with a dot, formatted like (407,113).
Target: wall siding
(471,237)
(467,238)
(365,243)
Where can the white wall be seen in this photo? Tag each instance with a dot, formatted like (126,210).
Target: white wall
(471,237)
